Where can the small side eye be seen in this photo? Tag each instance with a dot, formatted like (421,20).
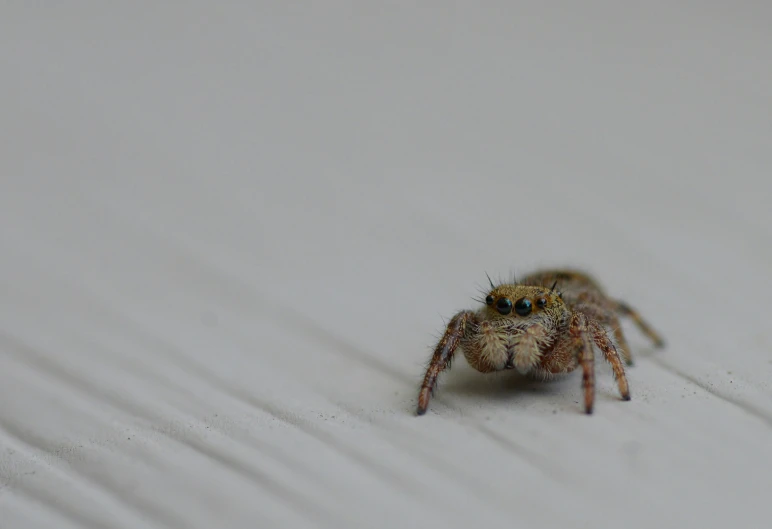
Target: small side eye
(489,300)
(504,306)
(541,303)
(523,306)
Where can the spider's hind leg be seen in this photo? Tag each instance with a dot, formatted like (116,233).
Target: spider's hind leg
(601,339)
(622,347)
(626,310)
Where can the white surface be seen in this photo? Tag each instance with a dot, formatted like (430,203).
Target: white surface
(231,234)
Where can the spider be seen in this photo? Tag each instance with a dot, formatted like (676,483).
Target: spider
(541,332)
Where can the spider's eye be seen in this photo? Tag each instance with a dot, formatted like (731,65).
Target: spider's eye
(523,306)
(504,306)
(489,300)
(541,303)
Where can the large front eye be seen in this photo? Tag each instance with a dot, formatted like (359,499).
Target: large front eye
(504,306)
(523,306)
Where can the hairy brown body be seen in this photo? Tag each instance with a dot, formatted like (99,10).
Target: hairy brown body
(547,324)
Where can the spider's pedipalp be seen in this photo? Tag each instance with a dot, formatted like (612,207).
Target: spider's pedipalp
(528,347)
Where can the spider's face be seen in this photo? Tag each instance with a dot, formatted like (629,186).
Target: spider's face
(515,327)
(521,303)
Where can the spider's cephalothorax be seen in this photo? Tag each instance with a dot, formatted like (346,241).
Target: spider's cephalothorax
(545,325)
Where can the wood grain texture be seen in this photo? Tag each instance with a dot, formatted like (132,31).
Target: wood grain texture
(230,237)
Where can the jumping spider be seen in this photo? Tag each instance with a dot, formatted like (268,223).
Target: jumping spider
(541,332)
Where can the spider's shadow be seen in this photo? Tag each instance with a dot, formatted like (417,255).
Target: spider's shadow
(643,352)
(506,386)
(509,386)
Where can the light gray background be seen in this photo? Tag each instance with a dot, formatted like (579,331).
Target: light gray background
(230,234)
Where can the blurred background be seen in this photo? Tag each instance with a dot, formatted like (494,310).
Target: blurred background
(230,235)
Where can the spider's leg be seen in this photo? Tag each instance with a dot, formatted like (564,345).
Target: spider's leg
(619,336)
(602,340)
(627,310)
(443,354)
(586,358)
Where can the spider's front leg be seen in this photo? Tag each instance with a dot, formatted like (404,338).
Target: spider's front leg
(442,356)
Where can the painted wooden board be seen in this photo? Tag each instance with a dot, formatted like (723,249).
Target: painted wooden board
(231,235)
